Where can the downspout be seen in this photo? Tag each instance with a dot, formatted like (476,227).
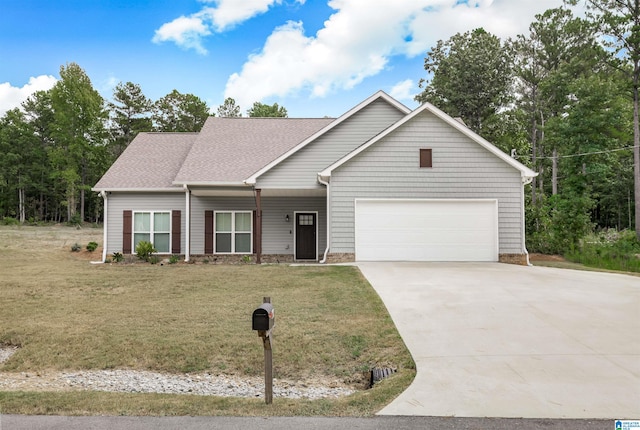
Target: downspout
(326,251)
(187,222)
(525,180)
(105,224)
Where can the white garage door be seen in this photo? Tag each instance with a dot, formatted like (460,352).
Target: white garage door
(426,230)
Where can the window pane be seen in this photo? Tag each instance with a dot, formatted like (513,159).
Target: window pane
(243,221)
(223,242)
(142,221)
(223,221)
(243,242)
(161,242)
(161,221)
(305,219)
(139,237)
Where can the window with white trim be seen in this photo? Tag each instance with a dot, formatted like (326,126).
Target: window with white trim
(233,232)
(154,227)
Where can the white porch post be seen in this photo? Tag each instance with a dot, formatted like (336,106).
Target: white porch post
(187,223)
(104,225)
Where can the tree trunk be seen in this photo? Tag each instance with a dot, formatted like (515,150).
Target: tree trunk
(636,151)
(21,198)
(554,172)
(534,141)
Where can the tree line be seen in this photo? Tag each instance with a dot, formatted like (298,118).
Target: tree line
(59,143)
(561,98)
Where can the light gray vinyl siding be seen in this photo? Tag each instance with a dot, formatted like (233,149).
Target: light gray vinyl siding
(119,202)
(462,169)
(277,233)
(300,169)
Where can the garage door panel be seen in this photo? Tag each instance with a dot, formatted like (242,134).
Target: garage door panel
(426,230)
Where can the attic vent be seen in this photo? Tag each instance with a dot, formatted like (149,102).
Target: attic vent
(426,157)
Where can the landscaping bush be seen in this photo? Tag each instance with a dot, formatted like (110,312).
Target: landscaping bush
(92,246)
(76,247)
(118,257)
(144,250)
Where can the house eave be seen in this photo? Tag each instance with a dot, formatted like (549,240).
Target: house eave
(137,190)
(211,184)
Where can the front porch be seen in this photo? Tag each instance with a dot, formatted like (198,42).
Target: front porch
(267,225)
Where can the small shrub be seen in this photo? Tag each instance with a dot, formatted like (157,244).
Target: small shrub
(92,246)
(76,247)
(246,259)
(10,221)
(174,259)
(144,250)
(75,220)
(118,257)
(154,259)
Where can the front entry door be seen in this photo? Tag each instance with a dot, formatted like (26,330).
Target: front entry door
(306,247)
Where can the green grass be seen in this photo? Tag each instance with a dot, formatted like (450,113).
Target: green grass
(609,250)
(67,314)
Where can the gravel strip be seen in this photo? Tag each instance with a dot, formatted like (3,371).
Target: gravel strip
(129,381)
(134,381)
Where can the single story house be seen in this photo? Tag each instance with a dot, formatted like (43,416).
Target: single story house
(379,183)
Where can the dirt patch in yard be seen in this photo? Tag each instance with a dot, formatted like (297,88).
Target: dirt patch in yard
(546,257)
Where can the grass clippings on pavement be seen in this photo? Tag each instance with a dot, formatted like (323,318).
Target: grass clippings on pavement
(66,314)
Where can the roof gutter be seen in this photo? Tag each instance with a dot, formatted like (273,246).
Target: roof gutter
(103,194)
(326,184)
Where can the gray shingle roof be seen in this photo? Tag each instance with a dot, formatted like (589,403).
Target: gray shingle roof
(150,161)
(229,150)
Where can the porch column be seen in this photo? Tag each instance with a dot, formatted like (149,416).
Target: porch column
(187,223)
(258,226)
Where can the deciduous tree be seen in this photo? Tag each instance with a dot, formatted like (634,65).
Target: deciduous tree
(470,77)
(261,110)
(79,132)
(619,22)
(179,112)
(229,109)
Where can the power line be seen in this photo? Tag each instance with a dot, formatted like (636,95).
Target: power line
(528,157)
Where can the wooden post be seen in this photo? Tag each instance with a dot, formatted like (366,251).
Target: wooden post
(258,231)
(268,362)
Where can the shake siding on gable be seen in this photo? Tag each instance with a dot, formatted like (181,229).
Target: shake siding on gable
(462,169)
(300,170)
(276,231)
(119,202)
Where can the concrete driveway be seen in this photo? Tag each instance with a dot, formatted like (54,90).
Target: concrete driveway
(499,340)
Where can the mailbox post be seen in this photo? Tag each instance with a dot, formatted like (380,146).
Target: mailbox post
(263,320)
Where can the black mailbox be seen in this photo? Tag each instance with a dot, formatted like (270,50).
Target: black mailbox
(263,317)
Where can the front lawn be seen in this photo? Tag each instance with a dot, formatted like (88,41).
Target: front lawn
(67,314)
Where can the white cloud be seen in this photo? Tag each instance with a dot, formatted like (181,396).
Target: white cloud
(405,90)
(361,38)
(11,97)
(188,32)
(228,13)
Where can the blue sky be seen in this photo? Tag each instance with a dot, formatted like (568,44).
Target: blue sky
(314,57)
